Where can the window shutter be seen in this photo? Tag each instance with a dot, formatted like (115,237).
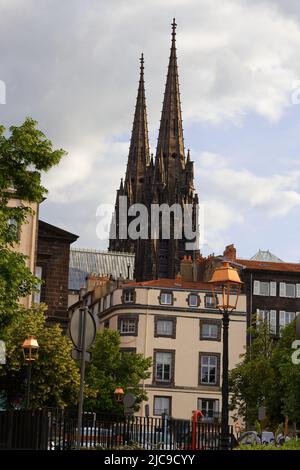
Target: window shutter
(298,290)
(282,289)
(281,319)
(273,322)
(256,288)
(273,289)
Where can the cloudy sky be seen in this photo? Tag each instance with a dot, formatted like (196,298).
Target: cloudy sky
(73,66)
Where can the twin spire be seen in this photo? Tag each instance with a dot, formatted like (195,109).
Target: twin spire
(170,145)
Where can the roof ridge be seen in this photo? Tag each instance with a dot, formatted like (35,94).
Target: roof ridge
(104,252)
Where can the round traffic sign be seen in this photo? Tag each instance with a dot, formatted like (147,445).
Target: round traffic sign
(76,328)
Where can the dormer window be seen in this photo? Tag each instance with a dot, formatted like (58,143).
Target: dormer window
(193,300)
(128,296)
(166,298)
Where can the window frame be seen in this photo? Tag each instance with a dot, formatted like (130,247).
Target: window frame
(210,296)
(210,321)
(216,408)
(131,292)
(158,318)
(218,369)
(166,292)
(170,404)
(166,383)
(128,317)
(193,294)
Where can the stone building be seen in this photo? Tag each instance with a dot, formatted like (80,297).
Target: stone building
(177,324)
(169,180)
(271,286)
(52,267)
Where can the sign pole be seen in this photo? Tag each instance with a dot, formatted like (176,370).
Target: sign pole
(82,373)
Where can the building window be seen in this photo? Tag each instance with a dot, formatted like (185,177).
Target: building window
(210,329)
(128,325)
(162,405)
(37,294)
(264,288)
(210,301)
(270,317)
(285,318)
(14,229)
(209,369)
(106,324)
(166,298)
(289,290)
(193,300)
(128,350)
(209,408)
(165,326)
(128,296)
(163,365)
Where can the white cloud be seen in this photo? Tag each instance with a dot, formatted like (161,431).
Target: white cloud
(73,66)
(229,196)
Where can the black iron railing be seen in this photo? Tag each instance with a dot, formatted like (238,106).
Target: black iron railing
(56,429)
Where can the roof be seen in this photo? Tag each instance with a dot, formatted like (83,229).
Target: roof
(51,231)
(171,284)
(85,261)
(270,266)
(266,256)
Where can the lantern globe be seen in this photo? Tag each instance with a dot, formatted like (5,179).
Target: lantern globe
(119,393)
(226,280)
(30,348)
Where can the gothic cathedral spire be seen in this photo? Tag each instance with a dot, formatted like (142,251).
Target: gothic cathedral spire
(139,155)
(138,166)
(170,156)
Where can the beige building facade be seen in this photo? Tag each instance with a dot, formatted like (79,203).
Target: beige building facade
(27,238)
(177,324)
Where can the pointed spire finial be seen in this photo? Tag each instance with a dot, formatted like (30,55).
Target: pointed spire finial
(142,63)
(174,26)
(188,156)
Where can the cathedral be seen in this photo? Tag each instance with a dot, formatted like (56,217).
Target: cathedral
(167,180)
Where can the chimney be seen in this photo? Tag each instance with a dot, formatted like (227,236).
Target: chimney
(186,268)
(230,252)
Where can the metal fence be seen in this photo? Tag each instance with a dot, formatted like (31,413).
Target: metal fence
(56,429)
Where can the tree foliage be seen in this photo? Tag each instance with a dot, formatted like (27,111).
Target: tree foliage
(24,153)
(267,377)
(110,368)
(55,375)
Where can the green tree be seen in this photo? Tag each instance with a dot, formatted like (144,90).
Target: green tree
(287,375)
(267,377)
(55,375)
(251,380)
(24,153)
(110,368)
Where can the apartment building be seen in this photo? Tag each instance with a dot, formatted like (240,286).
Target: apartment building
(175,322)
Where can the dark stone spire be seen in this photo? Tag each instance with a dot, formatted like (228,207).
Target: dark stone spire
(139,155)
(170,158)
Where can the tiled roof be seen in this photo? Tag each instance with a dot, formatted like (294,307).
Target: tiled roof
(85,261)
(266,256)
(268,266)
(172,284)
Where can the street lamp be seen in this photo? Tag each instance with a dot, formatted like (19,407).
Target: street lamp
(119,394)
(30,350)
(226,280)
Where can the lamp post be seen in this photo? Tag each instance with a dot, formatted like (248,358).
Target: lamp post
(30,350)
(226,280)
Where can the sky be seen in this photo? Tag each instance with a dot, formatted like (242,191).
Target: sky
(73,66)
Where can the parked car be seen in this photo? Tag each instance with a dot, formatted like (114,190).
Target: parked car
(252,437)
